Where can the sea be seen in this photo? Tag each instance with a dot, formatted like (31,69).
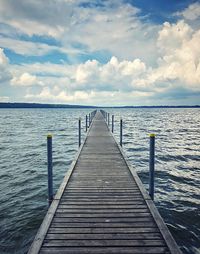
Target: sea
(23,166)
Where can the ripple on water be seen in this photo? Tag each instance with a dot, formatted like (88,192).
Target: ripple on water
(23,167)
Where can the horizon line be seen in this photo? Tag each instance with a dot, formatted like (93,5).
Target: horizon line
(59,105)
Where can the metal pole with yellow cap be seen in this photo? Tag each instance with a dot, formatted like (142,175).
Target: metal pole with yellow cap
(121,132)
(86,123)
(112,123)
(79,132)
(89,119)
(50,168)
(151,165)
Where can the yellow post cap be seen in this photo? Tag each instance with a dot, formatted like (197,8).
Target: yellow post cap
(49,136)
(152,135)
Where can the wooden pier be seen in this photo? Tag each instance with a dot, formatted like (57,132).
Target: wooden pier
(102,206)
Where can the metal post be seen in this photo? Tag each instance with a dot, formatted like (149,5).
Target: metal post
(89,119)
(121,132)
(86,123)
(112,123)
(79,132)
(151,165)
(106,116)
(50,168)
(108,119)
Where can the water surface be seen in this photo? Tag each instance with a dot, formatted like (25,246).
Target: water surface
(23,173)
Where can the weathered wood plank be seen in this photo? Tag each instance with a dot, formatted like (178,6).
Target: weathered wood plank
(103,230)
(102,191)
(102,215)
(96,211)
(106,220)
(92,206)
(102,206)
(101,203)
(103,195)
(106,199)
(103,225)
(117,236)
(102,243)
(105,250)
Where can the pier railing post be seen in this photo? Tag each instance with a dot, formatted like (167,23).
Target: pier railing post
(121,132)
(86,123)
(108,119)
(112,123)
(50,168)
(89,119)
(151,165)
(79,132)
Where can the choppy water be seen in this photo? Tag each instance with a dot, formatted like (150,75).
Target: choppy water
(23,174)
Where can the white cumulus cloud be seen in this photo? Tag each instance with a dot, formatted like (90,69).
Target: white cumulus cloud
(179,45)
(143,60)
(192,12)
(26,79)
(5,74)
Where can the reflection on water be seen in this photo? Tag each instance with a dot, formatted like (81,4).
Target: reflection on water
(23,176)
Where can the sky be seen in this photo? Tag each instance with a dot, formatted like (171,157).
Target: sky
(103,53)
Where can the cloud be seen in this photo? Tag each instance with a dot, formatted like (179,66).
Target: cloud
(26,79)
(115,27)
(132,60)
(88,97)
(3,59)
(37,17)
(29,48)
(113,76)
(5,75)
(90,81)
(112,26)
(179,45)
(48,95)
(4,98)
(192,12)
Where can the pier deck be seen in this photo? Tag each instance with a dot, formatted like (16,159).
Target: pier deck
(101,206)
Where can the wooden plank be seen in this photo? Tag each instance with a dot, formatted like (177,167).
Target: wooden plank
(39,238)
(103,191)
(102,215)
(173,248)
(102,195)
(103,207)
(92,206)
(97,211)
(104,199)
(103,243)
(117,236)
(103,230)
(101,203)
(105,250)
(103,225)
(100,220)
(153,210)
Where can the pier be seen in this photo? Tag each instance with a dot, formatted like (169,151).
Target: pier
(101,206)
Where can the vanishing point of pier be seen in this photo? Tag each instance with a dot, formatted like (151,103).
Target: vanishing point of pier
(102,206)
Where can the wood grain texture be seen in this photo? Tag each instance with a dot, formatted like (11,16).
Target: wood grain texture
(102,207)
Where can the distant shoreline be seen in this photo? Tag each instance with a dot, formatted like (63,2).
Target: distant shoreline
(40,105)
